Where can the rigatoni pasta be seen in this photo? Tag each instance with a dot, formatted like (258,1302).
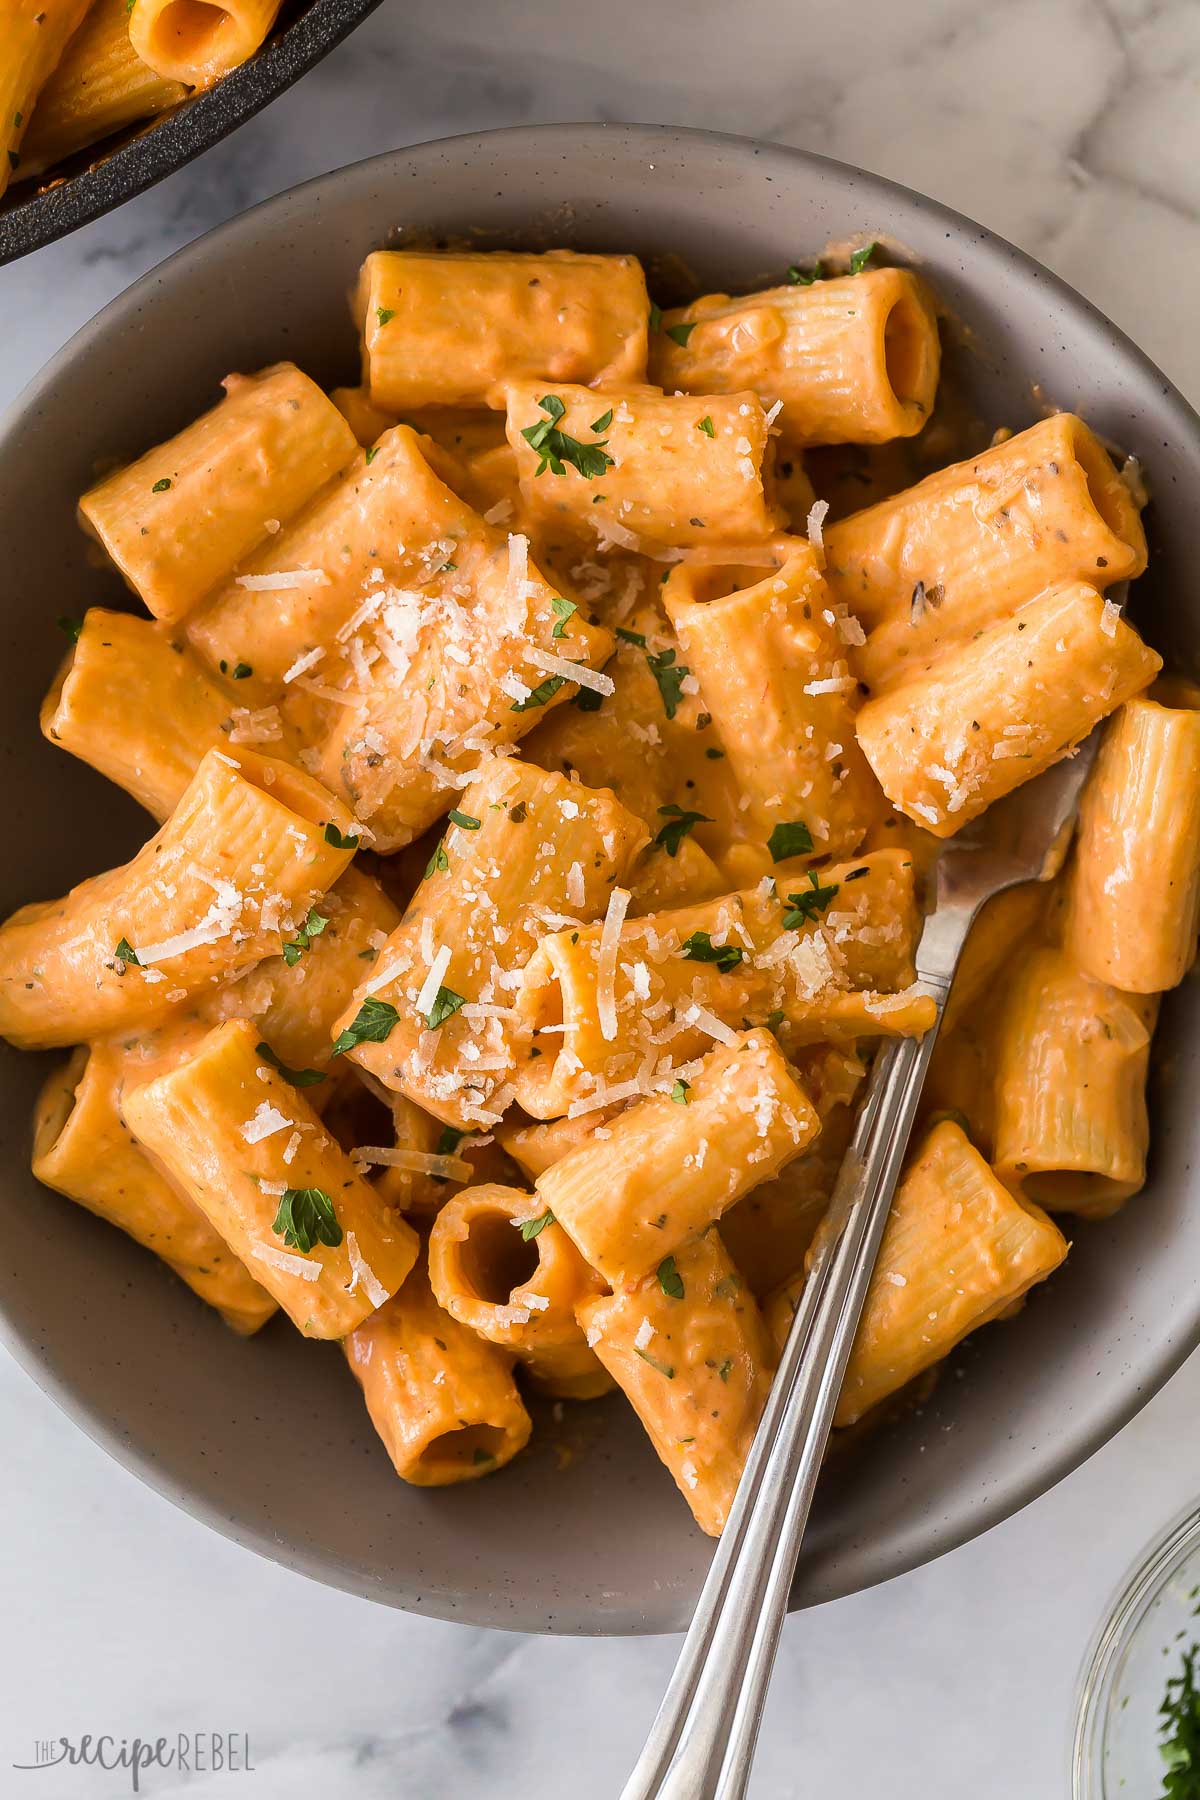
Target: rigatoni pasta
(549,788)
(185,514)
(852,360)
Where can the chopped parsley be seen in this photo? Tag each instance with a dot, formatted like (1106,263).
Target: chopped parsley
(241,670)
(306,1217)
(791,837)
(299,1078)
(449,1139)
(724,1369)
(531,1228)
(371,1025)
(655,316)
(556,448)
(679,824)
(805,277)
(861,257)
(603,422)
(385,313)
(662,1367)
(669,1279)
(333,836)
(631,637)
(464,821)
(588,700)
(160,487)
(681,333)
(680,1092)
(700,948)
(670,677)
(312,927)
(127,954)
(480,1457)
(72,627)
(706,426)
(1179,1731)
(372,453)
(714,755)
(857,874)
(809,903)
(445,1002)
(562,610)
(545,690)
(519,813)
(438,862)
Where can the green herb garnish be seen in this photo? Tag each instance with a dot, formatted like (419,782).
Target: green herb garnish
(445,1002)
(372,453)
(545,690)
(789,838)
(464,821)
(72,627)
(670,677)
(306,1217)
(700,948)
(603,422)
(385,313)
(631,637)
(562,610)
(333,836)
(662,1367)
(680,1092)
(669,1279)
(679,824)
(809,903)
(439,862)
(160,487)
(861,257)
(312,927)
(556,448)
(681,333)
(299,1078)
(371,1025)
(1179,1731)
(530,1228)
(707,427)
(127,954)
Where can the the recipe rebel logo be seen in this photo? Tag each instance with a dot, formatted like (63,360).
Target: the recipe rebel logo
(187,1753)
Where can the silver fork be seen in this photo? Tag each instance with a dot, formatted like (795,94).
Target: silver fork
(702,1742)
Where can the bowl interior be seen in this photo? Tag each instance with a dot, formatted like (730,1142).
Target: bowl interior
(268,1441)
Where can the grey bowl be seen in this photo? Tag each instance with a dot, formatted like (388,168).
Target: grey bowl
(268,1442)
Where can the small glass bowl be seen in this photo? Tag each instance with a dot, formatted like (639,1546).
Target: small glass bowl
(1138,1647)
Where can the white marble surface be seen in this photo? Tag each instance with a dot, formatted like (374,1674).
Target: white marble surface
(1072,126)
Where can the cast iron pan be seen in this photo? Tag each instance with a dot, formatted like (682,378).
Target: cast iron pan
(103,176)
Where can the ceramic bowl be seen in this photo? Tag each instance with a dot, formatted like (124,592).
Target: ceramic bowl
(268,1441)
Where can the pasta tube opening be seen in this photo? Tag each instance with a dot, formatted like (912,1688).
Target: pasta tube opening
(468,1447)
(494,1259)
(197,41)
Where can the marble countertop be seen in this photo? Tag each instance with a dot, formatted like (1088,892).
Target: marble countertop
(1071,126)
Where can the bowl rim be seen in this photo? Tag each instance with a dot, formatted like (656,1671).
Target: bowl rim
(161,146)
(1074,1445)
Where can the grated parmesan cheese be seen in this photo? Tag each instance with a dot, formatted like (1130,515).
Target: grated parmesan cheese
(364,1276)
(606,962)
(284,578)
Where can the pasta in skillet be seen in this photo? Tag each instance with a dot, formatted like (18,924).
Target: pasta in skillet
(74,72)
(544,786)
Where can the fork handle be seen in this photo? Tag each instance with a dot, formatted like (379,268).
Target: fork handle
(701,1744)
